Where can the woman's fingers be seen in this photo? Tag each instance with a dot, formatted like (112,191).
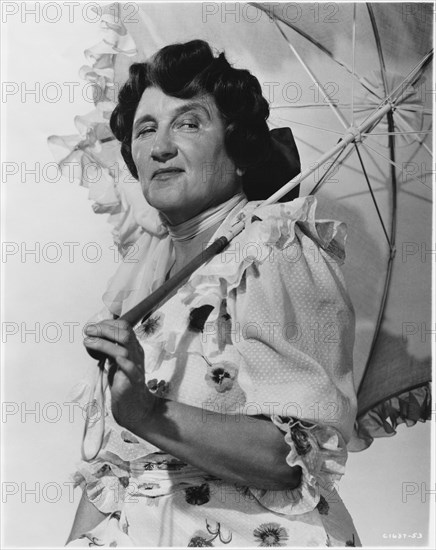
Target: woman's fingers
(106,347)
(114,338)
(117,331)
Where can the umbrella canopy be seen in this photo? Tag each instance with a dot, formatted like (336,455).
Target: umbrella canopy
(326,70)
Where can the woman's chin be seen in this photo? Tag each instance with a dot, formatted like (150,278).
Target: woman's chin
(164,194)
(172,206)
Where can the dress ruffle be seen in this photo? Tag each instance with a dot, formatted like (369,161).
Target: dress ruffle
(321,453)
(382,420)
(105,482)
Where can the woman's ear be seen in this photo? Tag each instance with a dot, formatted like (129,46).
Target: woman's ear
(240,171)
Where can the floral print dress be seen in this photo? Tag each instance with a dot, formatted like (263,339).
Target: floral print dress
(265,328)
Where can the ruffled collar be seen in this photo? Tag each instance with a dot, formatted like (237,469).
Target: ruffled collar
(205,220)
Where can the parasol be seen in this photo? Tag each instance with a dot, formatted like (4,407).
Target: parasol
(358,101)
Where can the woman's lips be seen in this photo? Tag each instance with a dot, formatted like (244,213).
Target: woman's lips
(166,174)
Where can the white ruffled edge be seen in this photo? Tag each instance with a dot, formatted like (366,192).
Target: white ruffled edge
(105,481)
(93,158)
(322,464)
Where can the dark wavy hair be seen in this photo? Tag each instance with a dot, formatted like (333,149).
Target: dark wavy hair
(188,70)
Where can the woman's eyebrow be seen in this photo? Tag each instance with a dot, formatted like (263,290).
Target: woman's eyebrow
(141,120)
(190,106)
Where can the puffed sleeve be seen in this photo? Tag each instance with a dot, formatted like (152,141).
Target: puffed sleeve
(294,329)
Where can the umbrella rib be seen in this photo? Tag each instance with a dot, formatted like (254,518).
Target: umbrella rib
(346,152)
(379,47)
(316,44)
(353,63)
(415,73)
(304,105)
(414,109)
(361,106)
(425,199)
(312,126)
(412,156)
(407,125)
(303,34)
(419,66)
(327,172)
(332,105)
(394,164)
(391,242)
(372,195)
(379,168)
(397,133)
(347,138)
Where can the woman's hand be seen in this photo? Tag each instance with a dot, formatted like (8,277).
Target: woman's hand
(132,402)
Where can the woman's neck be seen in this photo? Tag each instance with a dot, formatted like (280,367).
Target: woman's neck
(185,251)
(191,237)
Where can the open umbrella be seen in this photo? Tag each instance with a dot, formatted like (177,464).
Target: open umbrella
(353,81)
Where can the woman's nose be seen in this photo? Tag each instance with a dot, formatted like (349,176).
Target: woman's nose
(163,148)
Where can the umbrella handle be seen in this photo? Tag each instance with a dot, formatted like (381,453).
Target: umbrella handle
(158,297)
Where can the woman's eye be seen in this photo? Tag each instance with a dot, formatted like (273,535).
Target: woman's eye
(145,131)
(189,124)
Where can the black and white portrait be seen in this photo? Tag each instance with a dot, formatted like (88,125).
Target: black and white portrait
(217,257)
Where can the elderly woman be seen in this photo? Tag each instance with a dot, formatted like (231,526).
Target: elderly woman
(231,404)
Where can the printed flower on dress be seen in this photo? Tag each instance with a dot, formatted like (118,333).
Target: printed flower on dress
(127,437)
(200,539)
(158,388)
(163,461)
(125,481)
(150,325)
(301,440)
(198,495)
(104,470)
(323,506)
(221,375)
(198,317)
(271,534)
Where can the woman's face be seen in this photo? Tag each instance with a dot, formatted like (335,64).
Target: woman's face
(178,149)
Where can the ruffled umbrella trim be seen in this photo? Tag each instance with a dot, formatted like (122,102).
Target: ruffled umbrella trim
(408,407)
(92,158)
